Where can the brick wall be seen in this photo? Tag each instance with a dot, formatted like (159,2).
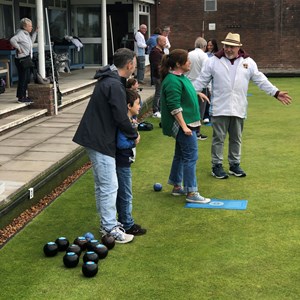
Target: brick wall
(42,96)
(269,29)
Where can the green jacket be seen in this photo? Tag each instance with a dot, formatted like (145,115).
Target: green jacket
(178,92)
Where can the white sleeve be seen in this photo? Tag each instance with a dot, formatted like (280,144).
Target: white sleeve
(168,45)
(261,80)
(140,40)
(204,77)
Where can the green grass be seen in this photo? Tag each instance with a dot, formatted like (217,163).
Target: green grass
(186,253)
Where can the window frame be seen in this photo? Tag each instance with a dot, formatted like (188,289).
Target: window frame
(208,3)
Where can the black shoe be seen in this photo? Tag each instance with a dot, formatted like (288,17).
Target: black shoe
(25,100)
(236,171)
(136,229)
(218,172)
(201,137)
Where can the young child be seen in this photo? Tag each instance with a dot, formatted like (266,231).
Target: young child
(125,156)
(133,84)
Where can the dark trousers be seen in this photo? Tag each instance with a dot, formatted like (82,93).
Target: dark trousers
(206,113)
(156,99)
(140,68)
(23,79)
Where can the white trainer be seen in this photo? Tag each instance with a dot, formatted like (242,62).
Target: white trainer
(157,115)
(196,198)
(119,234)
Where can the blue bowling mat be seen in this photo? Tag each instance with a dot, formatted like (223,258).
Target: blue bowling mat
(220,204)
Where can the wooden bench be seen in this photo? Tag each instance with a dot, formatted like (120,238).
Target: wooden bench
(5,70)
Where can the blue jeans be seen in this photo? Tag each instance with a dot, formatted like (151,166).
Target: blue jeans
(124,197)
(106,188)
(183,170)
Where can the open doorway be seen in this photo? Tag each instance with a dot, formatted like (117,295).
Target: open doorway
(120,23)
(86,24)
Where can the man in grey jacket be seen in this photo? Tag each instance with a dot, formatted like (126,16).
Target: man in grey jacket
(230,71)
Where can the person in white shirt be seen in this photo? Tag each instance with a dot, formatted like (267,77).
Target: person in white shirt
(140,47)
(198,57)
(166,31)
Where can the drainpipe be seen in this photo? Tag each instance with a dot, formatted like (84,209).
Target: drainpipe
(157,16)
(104,33)
(41,43)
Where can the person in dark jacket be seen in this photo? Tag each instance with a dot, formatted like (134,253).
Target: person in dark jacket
(104,115)
(125,156)
(155,60)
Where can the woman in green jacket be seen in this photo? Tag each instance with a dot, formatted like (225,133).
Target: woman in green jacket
(180,119)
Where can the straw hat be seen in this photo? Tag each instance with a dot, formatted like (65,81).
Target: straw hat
(232,39)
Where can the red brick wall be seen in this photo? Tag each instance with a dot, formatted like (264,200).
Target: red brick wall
(42,96)
(269,29)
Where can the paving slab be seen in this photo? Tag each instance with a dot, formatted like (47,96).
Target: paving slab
(29,165)
(68,133)
(13,150)
(41,136)
(56,124)
(14,141)
(40,156)
(4,158)
(60,140)
(41,129)
(52,147)
(18,176)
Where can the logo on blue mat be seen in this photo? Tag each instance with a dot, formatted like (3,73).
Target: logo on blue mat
(216,203)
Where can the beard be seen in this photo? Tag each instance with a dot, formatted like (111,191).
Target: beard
(230,56)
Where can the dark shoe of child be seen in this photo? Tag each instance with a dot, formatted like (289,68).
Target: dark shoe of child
(136,229)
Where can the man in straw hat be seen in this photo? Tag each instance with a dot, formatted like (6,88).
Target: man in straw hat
(230,71)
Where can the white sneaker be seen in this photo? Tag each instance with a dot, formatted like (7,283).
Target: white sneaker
(196,198)
(157,115)
(206,121)
(119,234)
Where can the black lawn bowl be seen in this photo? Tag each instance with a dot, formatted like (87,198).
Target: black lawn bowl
(62,243)
(89,269)
(50,249)
(90,256)
(71,259)
(109,241)
(81,241)
(91,244)
(101,250)
(74,248)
